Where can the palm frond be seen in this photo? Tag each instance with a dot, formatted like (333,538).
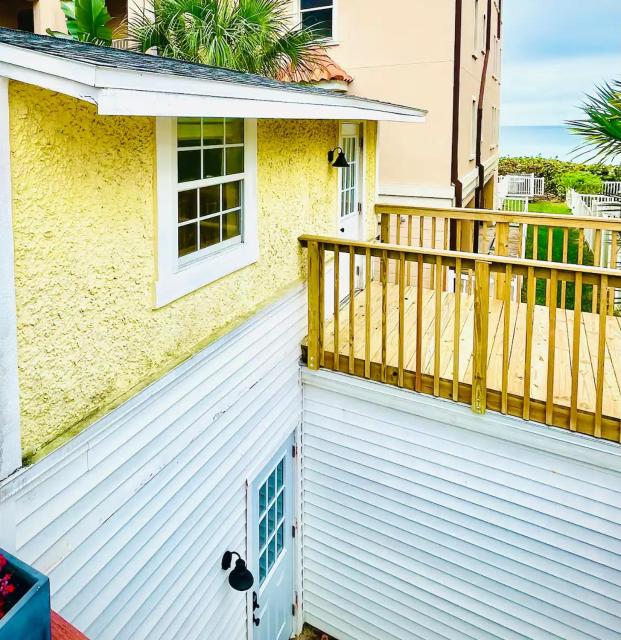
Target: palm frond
(600,129)
(257,36)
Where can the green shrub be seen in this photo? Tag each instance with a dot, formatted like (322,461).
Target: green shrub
(552,170)
(582,182)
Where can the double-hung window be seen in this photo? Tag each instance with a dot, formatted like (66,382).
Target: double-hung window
(210,185)
(206,178)
(318,15)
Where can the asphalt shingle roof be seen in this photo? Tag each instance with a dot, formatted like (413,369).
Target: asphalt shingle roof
(129,60)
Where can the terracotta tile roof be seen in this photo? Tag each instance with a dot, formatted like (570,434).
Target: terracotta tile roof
(322,69)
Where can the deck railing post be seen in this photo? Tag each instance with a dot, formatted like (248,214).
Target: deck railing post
(385,228)
(314,306)
(481,331)
(502,249)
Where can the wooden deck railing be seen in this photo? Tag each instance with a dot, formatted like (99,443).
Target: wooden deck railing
(388,312)
(553,238)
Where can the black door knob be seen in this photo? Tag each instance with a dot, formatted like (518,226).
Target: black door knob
(255,603)
(342,229)
(256,621)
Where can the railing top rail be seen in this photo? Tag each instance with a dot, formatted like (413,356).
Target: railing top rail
(492,215)
(497,262)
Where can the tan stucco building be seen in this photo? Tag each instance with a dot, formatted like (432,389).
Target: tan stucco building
(443,56)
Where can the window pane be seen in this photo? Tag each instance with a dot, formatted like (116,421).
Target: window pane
(212,163)
(280,501)
(279,474)
(188,166)
(262,566)
(231,195)
(262,532)
(320,21)
(213,131)
(189,132)
(210,231)
(263,498)
(231,225)
(187,239)
(210,199)
(234,160)
(314,4)
(280,539)
(186,209)
(234,131)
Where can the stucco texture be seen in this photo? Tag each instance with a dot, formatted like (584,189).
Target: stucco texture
(84,223)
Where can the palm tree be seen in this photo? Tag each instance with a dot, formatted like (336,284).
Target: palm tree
(248,35)
(600,129)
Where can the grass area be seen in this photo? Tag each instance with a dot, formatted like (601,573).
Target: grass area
(559,208)
(546,206)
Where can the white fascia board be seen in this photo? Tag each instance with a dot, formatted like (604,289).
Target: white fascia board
(148,103)
(125,92)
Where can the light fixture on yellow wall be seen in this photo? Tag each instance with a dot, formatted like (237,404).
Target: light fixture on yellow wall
(341,160)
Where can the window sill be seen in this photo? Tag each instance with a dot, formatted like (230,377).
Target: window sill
(200,273)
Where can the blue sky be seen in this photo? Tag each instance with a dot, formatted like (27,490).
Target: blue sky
(553,52)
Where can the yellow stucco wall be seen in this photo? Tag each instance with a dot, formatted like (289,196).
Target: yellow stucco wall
(84,221)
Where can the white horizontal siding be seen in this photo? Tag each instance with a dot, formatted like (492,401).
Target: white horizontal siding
(131,518)
(423,521)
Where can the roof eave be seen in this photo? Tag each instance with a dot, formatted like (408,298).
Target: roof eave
(122,92)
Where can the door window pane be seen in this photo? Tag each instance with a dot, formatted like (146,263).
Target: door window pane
(272,523)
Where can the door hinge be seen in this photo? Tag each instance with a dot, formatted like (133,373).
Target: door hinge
(294,451)
(293,531)
(360,207)
(293,609)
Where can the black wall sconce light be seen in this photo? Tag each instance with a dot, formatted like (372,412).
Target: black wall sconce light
(341,160)
(240,578)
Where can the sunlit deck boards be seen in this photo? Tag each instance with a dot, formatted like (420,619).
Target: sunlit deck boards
(516,346)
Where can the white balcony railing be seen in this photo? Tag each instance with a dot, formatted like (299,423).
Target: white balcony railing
(526,185)
(612,188)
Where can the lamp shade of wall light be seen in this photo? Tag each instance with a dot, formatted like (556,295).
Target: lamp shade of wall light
(240,578)
(341,160)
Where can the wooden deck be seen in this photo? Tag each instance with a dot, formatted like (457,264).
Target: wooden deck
(562,383)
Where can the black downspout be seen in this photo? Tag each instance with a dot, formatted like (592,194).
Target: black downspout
(478,197)
(455,132)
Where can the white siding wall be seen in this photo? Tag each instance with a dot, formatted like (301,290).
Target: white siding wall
(131,518)
(424,521)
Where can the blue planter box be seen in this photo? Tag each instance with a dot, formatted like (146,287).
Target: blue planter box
(30,618)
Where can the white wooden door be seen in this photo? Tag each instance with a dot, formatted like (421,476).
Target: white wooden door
(350,220)
(272,520)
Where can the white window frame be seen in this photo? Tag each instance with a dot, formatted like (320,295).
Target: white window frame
(473,126)
(333,39)
(176,277)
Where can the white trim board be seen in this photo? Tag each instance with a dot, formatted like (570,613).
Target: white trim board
(124,92)
(10,448)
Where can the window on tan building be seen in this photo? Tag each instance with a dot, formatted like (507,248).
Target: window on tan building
(473,129)
(319,15)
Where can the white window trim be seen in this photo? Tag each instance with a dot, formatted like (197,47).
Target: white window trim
(175,280)
(473,126)
(329,42)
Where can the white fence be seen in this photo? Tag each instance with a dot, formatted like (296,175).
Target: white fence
(612,188)
(515,204)
(527,185)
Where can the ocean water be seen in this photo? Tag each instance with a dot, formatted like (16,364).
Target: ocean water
(547,142)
